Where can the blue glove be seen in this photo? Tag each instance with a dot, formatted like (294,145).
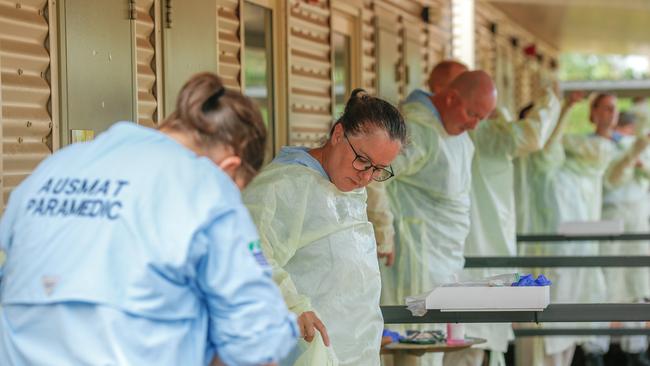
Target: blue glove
(528,280)
(394,336)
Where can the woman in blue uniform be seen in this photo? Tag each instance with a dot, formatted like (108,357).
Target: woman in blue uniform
(136,249)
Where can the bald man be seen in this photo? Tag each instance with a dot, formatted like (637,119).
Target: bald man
(429,197)
(443,74)
(379,212)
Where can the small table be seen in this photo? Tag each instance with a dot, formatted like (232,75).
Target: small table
(406,353)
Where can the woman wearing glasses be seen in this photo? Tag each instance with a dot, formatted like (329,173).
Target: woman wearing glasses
(310,208)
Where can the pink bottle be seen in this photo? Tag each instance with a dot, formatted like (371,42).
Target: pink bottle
(455,333)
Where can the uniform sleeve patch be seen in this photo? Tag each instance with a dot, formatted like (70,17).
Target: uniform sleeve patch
(256,250)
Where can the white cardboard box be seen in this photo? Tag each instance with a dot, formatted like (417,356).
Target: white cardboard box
(489,298)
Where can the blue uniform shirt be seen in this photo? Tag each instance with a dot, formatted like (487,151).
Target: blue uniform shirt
(419,95)
(424,97)
(132,250)
(300,155)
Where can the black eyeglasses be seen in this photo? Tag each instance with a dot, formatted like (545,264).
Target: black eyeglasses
(362,164)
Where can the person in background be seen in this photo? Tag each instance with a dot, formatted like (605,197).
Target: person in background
(641,110)
(379,212)
(626,198)
(525,206)
(565,184)
(429,196)
(310,208)
(136,249)
(626,126)
(443,74)
(566,180)
(498,141)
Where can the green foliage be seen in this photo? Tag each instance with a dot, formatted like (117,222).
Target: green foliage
(598,67)
(256,68)
(580,67)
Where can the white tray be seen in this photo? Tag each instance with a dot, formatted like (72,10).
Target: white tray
(489,298)
(603,227)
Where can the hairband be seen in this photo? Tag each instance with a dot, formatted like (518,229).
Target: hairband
(211,103)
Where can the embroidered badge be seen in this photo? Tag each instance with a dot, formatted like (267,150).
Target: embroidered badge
(255,249)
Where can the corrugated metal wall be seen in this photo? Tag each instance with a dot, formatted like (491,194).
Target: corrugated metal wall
(145,41)
(415,45)
(486,43)
(520,78)
(388,46)
(310,85)
(25,63)
(408,42)
(415,50)
(368,58)
(505,73)
(523,92)
(420,45)
(439,36)
(229,42)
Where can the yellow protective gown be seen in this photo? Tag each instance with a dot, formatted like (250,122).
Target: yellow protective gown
(642,113)
(322,249)
(626,197)
(429,198)
(565,184)
(492,231)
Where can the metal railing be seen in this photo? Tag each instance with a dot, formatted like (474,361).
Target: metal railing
(557,261)
(557,238)
(557,313)
(537,332)
(553,313)
(565,261)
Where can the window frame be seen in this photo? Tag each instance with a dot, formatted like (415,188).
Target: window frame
(346,19)
(279,69)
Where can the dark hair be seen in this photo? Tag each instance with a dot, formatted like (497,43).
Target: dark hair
(217,115)
(626,118)
(525,110)
(599,98)
(363,111)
